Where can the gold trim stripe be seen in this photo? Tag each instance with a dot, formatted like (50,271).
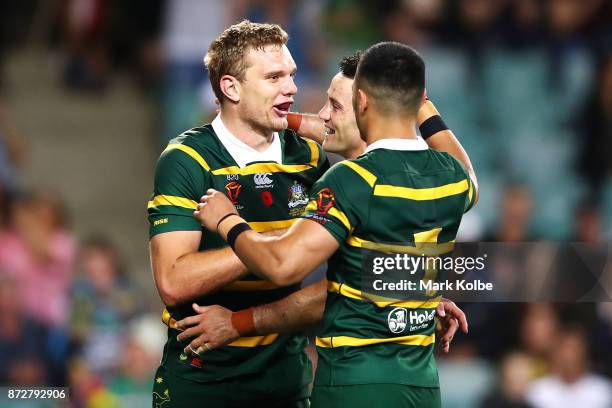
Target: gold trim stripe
(172,200)
(254,341)
(380,301)
(191,152)
(314,152)
(421,194)
(263,226)
(419,250)
(430,236)
(343,341)
(168,320)
(365,174)
(263,168)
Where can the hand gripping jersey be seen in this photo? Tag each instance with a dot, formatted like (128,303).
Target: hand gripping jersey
(269,196)
(376,201)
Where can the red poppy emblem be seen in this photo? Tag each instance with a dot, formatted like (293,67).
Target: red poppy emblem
(266,197)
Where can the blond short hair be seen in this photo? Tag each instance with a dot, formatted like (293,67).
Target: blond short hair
(226,55)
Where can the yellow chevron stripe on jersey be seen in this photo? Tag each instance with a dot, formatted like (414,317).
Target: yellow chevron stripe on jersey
(263,168)
(191,152)
(336,213)
(345,290)
(421,194)
(419,250)
(314,152)
(247,286)
(430,236)
(172,200)
(254,341)
(365,174)
(263,226)
(343,341)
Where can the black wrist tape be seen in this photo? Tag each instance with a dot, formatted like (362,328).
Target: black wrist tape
(236,230)
(432,126)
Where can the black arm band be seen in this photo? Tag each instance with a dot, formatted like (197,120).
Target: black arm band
(432,126)
(236,230)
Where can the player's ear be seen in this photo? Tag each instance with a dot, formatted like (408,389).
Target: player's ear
(230,88)
(362,101)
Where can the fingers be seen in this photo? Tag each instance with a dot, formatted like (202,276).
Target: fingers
(188,322)
(190,332)
(449,333)
(458,314)
(197,345)
(440,309)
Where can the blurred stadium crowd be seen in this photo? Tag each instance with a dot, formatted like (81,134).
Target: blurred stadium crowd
(525,84)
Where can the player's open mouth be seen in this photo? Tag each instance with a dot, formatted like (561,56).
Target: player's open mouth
(282,109)
(329,132)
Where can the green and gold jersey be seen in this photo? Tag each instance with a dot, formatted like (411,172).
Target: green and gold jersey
(374,202)
(269,196)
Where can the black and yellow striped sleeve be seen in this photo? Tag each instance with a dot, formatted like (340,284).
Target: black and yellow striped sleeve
(180,180)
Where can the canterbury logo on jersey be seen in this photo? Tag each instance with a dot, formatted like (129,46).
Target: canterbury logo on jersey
(263,180)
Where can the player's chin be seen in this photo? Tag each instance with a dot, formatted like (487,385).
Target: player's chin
(278,124)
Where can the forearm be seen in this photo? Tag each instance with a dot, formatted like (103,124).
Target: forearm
(282,260)
(445,140)
(200,273)
(308,125)
(295,312)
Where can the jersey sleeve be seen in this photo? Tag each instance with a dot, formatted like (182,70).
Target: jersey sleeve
(179,184)
(470,197)
(332,204)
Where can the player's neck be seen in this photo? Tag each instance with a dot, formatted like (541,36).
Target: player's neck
(355,152)
(384,127)
(258,139)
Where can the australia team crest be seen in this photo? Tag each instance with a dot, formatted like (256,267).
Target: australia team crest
(298,198)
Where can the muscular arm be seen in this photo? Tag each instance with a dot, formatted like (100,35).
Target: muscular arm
(445,141)
(182,273)
(311,127)
(295,312)
(286,259)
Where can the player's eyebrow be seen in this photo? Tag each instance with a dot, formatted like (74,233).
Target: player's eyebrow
(279,72)
(335,101)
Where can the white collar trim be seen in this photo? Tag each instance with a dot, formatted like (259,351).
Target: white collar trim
(241,152)
(398,144)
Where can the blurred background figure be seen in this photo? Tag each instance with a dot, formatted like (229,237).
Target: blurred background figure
(571,384)
(24,346)
(104,299)
(514,380)
(92,90)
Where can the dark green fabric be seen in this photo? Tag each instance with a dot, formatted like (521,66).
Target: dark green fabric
(375,396)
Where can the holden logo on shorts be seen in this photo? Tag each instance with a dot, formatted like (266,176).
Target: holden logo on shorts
(397,320)
(263,180)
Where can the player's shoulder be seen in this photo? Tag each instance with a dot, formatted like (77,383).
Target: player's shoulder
(200,138)
(194,146)
(444,161)
(354,172)
(300,149)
